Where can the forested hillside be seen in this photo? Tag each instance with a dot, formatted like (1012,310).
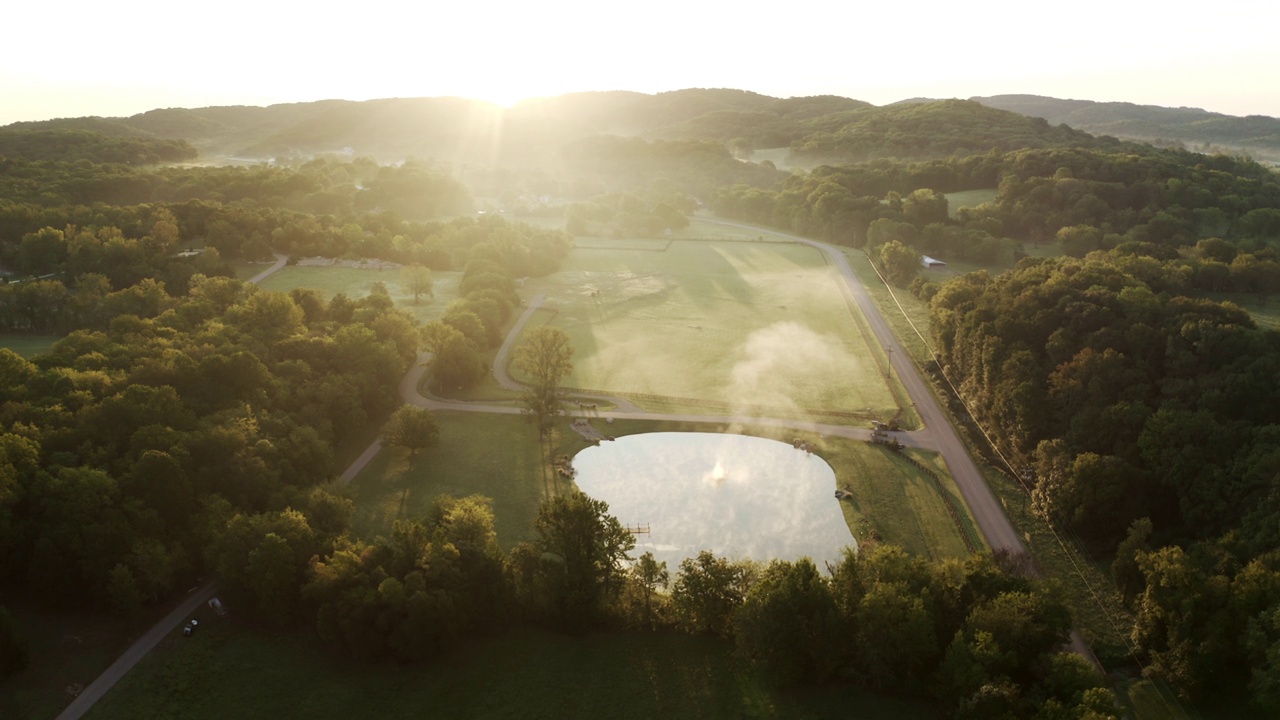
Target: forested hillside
(532,133)
(1194,128)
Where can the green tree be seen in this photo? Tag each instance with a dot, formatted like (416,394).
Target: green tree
(895,637)
(412,428)
(588,546)
(924,206)
(651,575)
(13,647)
(706,592)
(122,591)
(789,623)
(900,263)
(545,357)
(417,280)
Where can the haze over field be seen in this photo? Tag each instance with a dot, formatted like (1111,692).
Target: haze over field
(125,58)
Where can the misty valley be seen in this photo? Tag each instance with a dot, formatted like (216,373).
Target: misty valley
(702,403)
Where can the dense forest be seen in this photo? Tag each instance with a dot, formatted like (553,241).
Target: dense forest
(1138,411)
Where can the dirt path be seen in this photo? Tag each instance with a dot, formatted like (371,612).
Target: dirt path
(504,353)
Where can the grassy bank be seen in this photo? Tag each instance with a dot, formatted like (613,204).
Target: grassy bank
(498,456)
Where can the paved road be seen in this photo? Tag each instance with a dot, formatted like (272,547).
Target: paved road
(986,510)
(279,263)
(136,652)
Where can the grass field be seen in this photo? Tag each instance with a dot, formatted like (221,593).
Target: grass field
(229,672)
(27,345)
(1265,313)
(968,198)
(356,283)
(66,649)
(245,270)
(498,456)
(479,453)
(759,323)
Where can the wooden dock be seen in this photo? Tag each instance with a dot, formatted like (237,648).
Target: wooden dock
(637,529)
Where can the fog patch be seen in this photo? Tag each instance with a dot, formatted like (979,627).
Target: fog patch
(780,365)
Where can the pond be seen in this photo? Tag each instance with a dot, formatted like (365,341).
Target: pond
(735,495)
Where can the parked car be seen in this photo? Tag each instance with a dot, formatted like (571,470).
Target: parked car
(190,628)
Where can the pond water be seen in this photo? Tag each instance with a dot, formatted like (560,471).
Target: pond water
(735,495)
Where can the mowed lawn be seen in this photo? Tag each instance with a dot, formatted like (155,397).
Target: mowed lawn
(356,283)
(498,456)
(27,346)
(225,671)
(752,323)
(479,454)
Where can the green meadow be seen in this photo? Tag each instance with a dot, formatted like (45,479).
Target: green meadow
(227,671)
(356,283)
(753,323)
(27,346)
(968,198)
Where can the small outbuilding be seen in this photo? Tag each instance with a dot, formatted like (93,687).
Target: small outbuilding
(930,263)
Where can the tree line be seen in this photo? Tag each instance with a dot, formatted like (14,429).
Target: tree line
(88,146)
(980,641)
(1144,420)
(1127,192)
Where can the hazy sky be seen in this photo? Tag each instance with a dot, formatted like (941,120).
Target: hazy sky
(78,58)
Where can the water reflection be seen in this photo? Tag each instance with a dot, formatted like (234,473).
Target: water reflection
(735,495)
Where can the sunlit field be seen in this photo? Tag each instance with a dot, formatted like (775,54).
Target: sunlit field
(28,345)
(753,323)
(479,453)
(1265,312)
(968,198)
(226,671)
(357,282)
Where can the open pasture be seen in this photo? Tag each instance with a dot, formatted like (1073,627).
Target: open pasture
(229,671)
(27,346)
(760,324)
(968,198)
(356,283)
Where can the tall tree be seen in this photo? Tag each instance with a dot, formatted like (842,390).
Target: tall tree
(417,280)
(412,428)
(789,623)
(545,357)
(651,575)
(707,592)
(588,546)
